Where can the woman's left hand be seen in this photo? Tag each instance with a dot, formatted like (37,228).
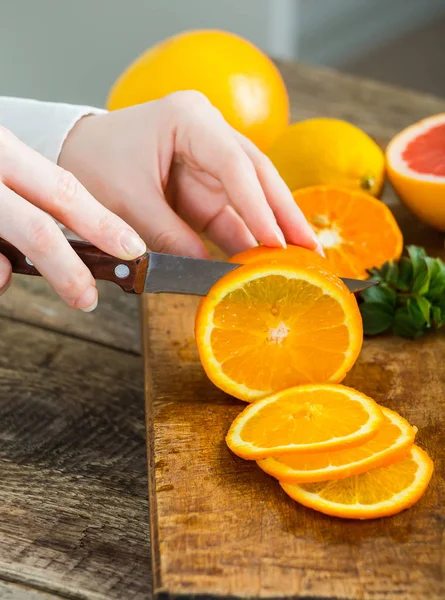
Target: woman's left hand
(174,168)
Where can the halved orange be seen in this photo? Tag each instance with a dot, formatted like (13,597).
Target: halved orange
(357,231)
(302,257)
(392,441)
(308,418)
(416,167)
(379,492)
(266,327)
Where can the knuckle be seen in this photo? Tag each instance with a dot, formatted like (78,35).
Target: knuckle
(164,242)
(106,223)
(190,102)
(66,190)
(74,285)
(42,232)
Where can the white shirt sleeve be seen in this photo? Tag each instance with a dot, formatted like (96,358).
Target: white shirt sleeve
(42,125)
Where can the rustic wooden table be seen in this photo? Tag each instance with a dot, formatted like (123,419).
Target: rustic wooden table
(73,482)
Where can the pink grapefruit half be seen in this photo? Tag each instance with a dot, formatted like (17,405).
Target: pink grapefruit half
(415,160)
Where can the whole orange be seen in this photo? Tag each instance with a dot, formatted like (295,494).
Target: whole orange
(237,78)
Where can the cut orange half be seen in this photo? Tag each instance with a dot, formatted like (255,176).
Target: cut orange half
(308,418)
(416,168)
(392,441)
(266,327)
(379,492)
(357,231)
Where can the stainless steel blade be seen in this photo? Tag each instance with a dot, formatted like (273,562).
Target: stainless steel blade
(357,285)
(195,276)
(182,275)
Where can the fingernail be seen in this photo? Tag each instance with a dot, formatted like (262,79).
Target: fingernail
(318,247)
(280,237)
(320,250)
(133,245)
(88,300)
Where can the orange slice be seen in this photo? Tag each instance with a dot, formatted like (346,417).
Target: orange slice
(416,168)
(379,492)
(296,254)
(266,327)
(392,441)
(357,231)
(308,418)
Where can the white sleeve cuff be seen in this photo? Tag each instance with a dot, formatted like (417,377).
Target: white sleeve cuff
(43,126)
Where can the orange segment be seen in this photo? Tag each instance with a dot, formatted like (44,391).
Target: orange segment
(392,441)
(298,255)
(266,327)
(308,418)
(357,231)
(379,492)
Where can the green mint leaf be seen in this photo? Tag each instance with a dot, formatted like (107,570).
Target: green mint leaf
(421,307)
(377,317)
(404,326)
(406,272)
(380,293)
(436,317)
(421,278)
(392,274)
(416,314)
(416,253)
(437,278)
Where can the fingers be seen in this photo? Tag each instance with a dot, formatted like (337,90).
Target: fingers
(220,154)
(289,216)
(5,274)
(201,202)
(228,231)
(58,192)
(166,232)
(37,235)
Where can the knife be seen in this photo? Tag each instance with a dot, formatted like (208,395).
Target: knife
(151,273)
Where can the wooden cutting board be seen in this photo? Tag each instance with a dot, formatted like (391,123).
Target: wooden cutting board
(223,528)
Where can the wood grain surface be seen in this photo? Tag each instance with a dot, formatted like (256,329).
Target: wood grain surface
(73,484)
(220,526)
(73,499)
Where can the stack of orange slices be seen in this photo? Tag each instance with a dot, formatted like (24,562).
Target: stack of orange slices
(335,450)
(281,332)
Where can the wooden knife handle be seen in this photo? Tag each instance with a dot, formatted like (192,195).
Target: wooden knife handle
(128,274)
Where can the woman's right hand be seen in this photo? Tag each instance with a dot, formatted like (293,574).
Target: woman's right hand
(30,187)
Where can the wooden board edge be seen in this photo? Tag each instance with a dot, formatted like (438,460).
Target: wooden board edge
(152,502)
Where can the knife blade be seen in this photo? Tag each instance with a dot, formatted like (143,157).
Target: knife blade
(194,276)
(152,273)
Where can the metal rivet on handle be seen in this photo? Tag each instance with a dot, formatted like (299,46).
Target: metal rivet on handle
(122,271)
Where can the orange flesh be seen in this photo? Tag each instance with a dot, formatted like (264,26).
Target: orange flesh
(305,418)
(391,442)
(356,231)
(372,487)
(379,492)
(303,326)
(426,153)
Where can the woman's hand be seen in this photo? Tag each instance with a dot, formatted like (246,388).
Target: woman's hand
(174,168)
(30,187)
